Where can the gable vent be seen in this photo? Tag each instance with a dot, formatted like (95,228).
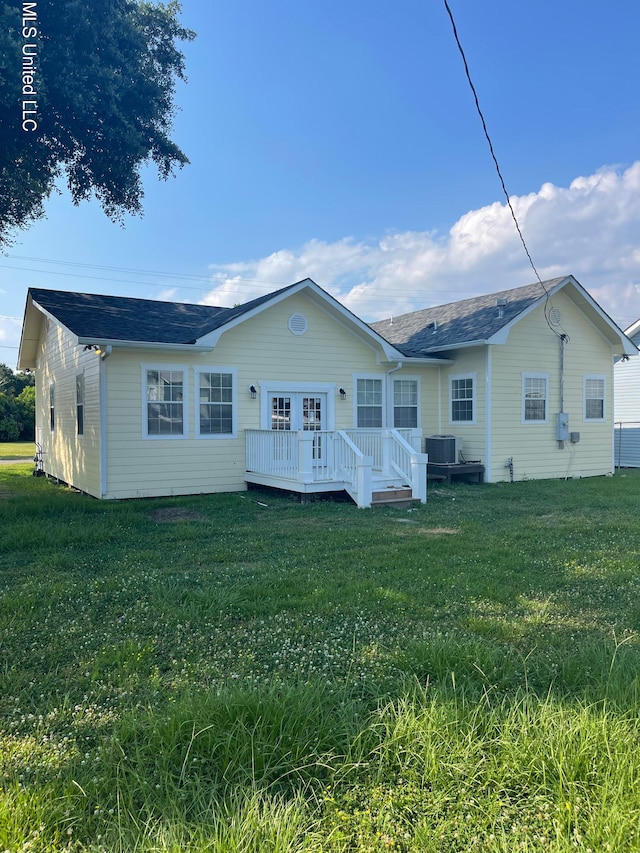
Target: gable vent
(297,324)
(555,317)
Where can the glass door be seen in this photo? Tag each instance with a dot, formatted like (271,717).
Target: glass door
(300,411)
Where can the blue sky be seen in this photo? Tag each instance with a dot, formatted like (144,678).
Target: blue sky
(339,140)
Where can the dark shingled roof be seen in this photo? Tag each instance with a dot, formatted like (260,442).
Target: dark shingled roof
(121,318)
(459,322)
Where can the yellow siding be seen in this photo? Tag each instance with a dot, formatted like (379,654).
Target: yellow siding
(534,348)
(68,457)
(262,349)
(468,361)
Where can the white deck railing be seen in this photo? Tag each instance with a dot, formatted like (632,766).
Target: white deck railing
(348,459)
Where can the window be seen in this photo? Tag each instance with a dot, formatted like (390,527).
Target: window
(164,390)
(594,398)
(535,389)
(52,407)
(80,403)
(215,403)
(369,403)
(405,403)
(462,399)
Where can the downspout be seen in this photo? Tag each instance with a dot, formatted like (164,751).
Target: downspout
(487,410)
(390,396)
(563,339)
(102,383)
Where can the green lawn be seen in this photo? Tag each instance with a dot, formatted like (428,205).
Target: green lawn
(246,673)
(17,450)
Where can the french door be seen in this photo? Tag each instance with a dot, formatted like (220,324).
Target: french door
(299,410)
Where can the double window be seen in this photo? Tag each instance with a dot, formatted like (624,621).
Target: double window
(370,403)
(165,392)
(535,397)
(462,394)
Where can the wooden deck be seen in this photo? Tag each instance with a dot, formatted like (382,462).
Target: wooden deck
(455,470)
(367,464)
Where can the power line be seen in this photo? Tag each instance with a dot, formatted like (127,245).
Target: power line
(246,283)
(137,271)
(563,335)
(493,154)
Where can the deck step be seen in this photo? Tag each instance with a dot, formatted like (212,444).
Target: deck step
(392,496)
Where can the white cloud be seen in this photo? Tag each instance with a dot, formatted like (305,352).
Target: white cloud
(9,336)
(590,229)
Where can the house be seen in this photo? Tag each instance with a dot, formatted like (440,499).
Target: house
(626,377)
(139,398)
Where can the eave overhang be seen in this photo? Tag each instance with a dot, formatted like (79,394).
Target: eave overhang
(156,345)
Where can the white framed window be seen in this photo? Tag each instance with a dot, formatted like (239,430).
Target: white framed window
(535,397)
(80,403)
(369,402)
(594,388)
(405,403)
(462,393)
(164,390)
(216,402)
(52,407)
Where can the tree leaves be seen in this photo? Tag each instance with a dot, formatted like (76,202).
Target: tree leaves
(104,82)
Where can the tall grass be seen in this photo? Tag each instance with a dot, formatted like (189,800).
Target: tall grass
(234,673)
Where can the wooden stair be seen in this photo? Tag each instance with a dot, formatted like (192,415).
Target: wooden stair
(397,496)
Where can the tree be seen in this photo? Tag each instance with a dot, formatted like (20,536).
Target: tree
(26,402)
(12,383)
(17,405)
(86,91)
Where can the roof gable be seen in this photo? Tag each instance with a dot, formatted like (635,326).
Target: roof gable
(487,319)
(119,320)
(468,321)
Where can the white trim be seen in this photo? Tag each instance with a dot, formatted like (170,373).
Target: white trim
(601,378)
(530,421)
(233,371)
(473,376)
(178,368)
(145,345)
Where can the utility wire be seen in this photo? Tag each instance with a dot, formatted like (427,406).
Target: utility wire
(486,133)
(213,281)
(563,336)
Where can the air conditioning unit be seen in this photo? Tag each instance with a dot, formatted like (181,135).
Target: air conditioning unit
(443,449)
